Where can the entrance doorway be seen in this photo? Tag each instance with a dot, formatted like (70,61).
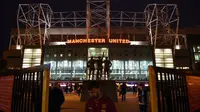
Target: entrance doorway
(96,53)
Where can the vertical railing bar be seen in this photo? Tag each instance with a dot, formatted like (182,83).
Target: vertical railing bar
(14,100)
(29,91)
(166,87)
(179,91)
(32,92)
(182,91)
(41,85)
(37,86)
(176,91)
(158,90)
(173,92)
(18,92)
(162,90)
(153,89)
(26,91)
(23,86)
(45,92)
(14,97)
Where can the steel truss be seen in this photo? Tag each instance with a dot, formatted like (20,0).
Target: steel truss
(162,21)
(98,16)
(33,17)
(76,19)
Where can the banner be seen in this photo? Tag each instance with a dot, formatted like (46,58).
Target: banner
(6,87)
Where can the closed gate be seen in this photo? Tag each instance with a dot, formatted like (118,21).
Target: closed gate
(30,89)
(168,90)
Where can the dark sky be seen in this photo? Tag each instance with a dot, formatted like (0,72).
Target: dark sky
(189,11)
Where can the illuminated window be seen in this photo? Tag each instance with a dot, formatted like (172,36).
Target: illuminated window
(196,51)
(182,68)
(164,58)
(32,57)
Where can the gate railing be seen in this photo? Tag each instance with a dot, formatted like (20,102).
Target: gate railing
(30,89)
(168,90)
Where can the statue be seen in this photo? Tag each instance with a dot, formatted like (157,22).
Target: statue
(107,65)
(99,68)
(90,65)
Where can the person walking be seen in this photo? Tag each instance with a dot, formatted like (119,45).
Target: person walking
(56,98)
(142,95)
(134,90)
(123,91)
(98,102)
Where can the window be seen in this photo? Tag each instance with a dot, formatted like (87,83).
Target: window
(96,52)
(164,58)
(144,65)
(117,69)
(137,70)
(196,51)
(32,57)
(79,68)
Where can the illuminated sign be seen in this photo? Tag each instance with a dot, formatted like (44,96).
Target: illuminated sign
(98,41)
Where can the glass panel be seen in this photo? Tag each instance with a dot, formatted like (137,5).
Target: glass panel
(131,69)
(143,75)
(137,70)
(79,69)
(144,65)
(117,70)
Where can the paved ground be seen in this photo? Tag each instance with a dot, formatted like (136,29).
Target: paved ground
(72,104)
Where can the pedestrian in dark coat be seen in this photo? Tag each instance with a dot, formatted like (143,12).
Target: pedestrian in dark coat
(56,99)
(123,91)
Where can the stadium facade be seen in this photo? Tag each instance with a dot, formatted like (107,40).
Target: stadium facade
(131,40)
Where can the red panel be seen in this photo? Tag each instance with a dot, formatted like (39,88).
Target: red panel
(6,87)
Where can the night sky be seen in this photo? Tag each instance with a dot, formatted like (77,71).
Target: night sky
(189,11)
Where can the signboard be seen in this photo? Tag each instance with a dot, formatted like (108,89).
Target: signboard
(6,87)
(98,41)
(193,92)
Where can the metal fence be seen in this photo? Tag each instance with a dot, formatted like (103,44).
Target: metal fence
(168,90)
(31,89)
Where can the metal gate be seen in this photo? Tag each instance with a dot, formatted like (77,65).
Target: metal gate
(168,90)
(30,89)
